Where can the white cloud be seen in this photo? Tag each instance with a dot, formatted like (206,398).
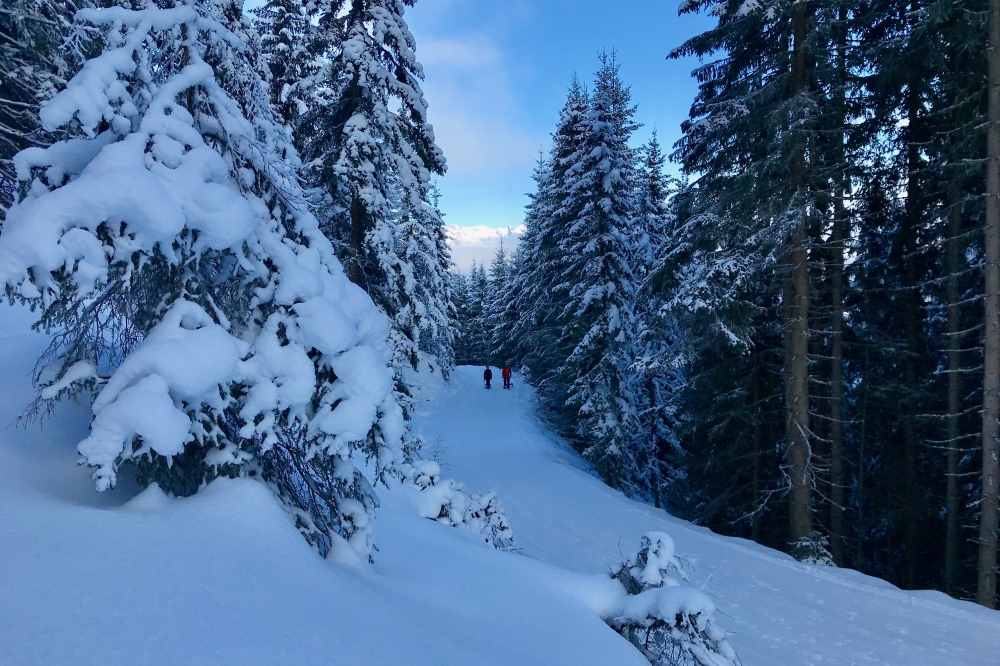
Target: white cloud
(479,244)
(475,144)
(458,53)
(473,106)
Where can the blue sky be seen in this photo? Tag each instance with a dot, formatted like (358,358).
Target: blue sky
(497,73)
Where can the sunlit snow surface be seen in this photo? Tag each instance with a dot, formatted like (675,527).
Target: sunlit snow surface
(224,579)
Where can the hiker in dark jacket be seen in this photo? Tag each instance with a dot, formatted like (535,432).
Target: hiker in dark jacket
(487,376)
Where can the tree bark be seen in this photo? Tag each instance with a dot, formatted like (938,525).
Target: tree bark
(797,324)
(837,494)
(987,577)
(952,500)
(359,229)
(859,554)
(797,409)
(912,316)
(755,395)
(837,238)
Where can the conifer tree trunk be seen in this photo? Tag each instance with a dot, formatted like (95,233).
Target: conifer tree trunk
(837,238)
(755,482)
(359,228)
(912,332)
(986,587)
(911,313)
(797,379)
(859,553)
(952,501)
(797,325)
(837,383)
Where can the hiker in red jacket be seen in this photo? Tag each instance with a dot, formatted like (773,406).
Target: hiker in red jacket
(506,376)
(487,376)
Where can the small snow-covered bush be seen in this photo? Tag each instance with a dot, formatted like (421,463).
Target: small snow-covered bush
(447,502)
(813,549)
(670,623)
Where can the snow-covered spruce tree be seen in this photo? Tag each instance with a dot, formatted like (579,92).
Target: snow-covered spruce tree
(289,50)
(537,326)
(670,623)
(652,209)
(507,348)
(518,302)
(421,265)
(38,45)
(659,366)
(495,308)
(597,283)
(660,374)
(438,339)
(479,296)
(461,304)
(169,250)
(373,151)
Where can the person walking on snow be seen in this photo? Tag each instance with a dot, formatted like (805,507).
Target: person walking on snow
(487,376)
(506,376)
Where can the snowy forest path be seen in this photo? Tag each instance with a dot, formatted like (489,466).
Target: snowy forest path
(779,611)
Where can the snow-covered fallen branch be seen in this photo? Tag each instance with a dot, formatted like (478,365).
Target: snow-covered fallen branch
(446,501)
(670,623)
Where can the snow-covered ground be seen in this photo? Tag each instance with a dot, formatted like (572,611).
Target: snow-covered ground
(779,612)
(223,578)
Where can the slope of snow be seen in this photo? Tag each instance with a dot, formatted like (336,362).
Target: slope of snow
(223,578)
(778,610)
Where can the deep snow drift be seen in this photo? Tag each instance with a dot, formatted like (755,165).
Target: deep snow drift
(223,578)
